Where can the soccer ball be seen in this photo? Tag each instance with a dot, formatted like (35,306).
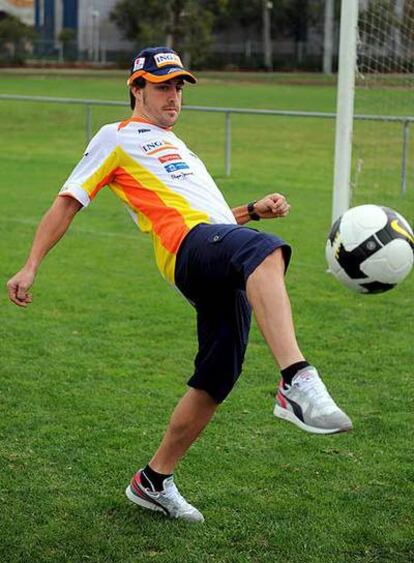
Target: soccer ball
(370,249)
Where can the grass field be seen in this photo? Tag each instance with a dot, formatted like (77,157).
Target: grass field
(91,372)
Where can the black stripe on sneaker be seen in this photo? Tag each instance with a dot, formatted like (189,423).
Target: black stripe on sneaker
(296,408)
(141,493)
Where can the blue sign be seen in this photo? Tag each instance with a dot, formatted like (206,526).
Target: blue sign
(176,166)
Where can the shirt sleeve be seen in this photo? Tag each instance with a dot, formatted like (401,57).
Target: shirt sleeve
(97,167)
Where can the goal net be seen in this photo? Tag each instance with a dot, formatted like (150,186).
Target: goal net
(382,168)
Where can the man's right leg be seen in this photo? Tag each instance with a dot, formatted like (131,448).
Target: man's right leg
(305,400)
(266,292)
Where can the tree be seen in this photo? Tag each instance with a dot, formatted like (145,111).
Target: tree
(14,36)
(67,39)
(246,15)
(184,25)
(289,18)
(378,11)
(408,18)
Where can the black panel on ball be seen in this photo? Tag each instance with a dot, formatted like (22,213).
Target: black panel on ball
(351,260)
(377,287)
(389,233)
(334,230)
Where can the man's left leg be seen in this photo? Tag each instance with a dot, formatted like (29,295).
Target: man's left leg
(302,397)
(153,486)
(190,417)
(223,323)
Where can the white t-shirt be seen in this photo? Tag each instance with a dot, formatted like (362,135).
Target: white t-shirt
(165,186)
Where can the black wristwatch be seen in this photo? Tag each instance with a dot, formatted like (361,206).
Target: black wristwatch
(252,214)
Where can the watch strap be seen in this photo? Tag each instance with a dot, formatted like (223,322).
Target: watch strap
(250,210)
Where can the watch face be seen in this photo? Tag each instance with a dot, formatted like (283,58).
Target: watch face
(250,207)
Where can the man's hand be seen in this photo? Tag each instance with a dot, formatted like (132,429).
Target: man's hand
(18,287)
(271,206)
(50,230)
(268,207)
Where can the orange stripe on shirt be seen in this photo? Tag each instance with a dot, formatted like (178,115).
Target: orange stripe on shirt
(105,181)
(167,223)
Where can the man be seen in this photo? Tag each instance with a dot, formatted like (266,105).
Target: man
(200,246)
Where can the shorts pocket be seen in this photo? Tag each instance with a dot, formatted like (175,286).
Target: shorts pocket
(220,233)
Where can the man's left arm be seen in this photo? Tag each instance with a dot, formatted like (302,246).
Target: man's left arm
(269,207)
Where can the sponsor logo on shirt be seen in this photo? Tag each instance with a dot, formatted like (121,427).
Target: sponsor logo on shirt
(164,59)
(181,175)
(169,157)
(157,146)
(176,166)
(143,130)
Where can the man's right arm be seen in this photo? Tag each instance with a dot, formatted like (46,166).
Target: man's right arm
(51,228)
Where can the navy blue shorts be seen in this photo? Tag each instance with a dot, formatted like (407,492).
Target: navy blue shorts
(212,267)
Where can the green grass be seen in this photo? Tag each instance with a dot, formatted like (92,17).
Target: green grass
(91,372)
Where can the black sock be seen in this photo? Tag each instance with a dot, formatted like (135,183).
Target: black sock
(153,480)
(289,373)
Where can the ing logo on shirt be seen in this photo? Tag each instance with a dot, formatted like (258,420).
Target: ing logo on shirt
(156,146)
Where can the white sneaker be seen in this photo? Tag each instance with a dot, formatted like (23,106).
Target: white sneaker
(307,403)
(168,501)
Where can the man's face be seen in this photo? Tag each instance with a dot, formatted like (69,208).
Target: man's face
(159,103)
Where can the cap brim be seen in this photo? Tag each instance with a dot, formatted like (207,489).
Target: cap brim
(157,78)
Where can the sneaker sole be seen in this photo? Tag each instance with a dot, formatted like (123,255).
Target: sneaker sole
(142,502)
(284,414)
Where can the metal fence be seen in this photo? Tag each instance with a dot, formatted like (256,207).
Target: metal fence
(89,104)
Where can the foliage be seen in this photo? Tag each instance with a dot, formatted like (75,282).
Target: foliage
(293,17)
(408,19)
(185,25)
(67,38)
(288,17)
(246,15)
(378,19)
(67,35)
(188,25)
(12,30)
(14,36)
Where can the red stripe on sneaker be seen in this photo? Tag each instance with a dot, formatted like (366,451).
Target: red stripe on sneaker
(135,485)
(281,400)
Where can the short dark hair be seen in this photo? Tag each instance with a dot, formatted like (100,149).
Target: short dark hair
(138,83)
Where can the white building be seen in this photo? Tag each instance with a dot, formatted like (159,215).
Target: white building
(23,9)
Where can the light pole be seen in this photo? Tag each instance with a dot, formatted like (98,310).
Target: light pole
(267,6)
(95,36)
(328,37)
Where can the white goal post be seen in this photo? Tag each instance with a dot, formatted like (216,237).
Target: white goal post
(345,107)
(375,103)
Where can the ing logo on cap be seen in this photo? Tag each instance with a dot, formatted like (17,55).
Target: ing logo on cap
(167,59)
